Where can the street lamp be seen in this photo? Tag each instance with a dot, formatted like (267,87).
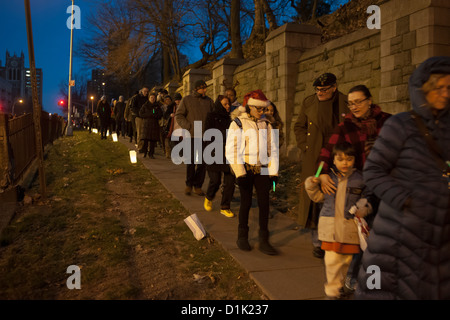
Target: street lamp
(19,100)
(92,99)
(103,84)
(69,131)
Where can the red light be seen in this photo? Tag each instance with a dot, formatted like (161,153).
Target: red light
(61,102)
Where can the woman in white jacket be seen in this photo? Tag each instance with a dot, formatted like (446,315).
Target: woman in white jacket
(252,151)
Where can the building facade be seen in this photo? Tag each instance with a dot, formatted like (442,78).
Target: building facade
(15,84)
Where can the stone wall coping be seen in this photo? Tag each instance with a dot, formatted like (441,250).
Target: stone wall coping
(294,28)
(341,42)
(229,61)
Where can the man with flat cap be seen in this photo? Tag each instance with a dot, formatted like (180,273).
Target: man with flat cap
(195,107)
(319,114)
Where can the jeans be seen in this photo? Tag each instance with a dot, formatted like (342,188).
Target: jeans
(261,183)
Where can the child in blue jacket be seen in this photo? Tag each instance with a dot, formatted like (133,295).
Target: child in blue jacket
(337,228)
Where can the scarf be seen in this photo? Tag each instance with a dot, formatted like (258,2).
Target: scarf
(368,126)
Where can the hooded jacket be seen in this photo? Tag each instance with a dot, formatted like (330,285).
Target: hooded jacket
(410,237)
(335,221)
(252,143)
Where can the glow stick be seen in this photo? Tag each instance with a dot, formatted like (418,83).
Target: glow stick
(319,170)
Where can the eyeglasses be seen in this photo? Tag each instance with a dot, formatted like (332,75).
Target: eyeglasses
(260,109)
(323,90)
(356,103)
(442,89)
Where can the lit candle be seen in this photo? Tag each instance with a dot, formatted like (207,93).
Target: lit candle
(114,136)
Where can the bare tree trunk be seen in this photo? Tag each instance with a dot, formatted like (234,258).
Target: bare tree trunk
(235,30)
(270,16)
(258,26)
(165,63)
(314,9)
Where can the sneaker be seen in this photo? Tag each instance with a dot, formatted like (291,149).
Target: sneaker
(208,205)
(199,191)
(227,213)
(188,190)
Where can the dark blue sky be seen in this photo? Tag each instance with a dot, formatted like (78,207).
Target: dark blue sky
(51,39)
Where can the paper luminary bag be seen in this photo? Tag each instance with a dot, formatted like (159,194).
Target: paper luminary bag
(196,226)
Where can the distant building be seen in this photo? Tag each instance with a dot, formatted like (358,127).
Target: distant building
(16,79)
(6,97)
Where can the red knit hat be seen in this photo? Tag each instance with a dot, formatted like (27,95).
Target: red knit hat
(256,98)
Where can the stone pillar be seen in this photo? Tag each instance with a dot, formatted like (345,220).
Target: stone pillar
(222,71)
(411,32)
(172,87)
(284,47)
(192,75)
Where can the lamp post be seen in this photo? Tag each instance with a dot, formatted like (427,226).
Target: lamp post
(14,105)
(92,99)
(69,131)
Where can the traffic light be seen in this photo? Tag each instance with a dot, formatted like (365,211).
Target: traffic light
(61,102)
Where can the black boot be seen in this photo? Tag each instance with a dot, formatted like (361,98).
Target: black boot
(242,241)
(264,245)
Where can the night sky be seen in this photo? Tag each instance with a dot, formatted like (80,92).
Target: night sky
(51,39)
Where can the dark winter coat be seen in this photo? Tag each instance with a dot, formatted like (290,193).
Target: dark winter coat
(193,107)
(119,110)
(348,131)
(137,101)
(219,119)
(104,111)
(312,129)
(410,238)
(150,114)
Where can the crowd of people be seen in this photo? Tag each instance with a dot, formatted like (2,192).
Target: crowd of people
(357,163)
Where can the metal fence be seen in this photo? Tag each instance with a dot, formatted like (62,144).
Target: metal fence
(18,146)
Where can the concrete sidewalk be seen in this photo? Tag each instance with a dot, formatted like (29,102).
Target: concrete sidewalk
(294,274)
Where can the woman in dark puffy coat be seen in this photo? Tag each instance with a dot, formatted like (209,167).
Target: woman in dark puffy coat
(408,253)
(150,113)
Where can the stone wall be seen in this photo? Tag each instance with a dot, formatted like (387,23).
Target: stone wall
(383,60)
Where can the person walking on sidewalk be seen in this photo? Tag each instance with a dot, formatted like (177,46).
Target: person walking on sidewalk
(220,119)
(137,101)
(336,229)
(194,108)
(149,131)
(408,169)
(319,114)
(173,125)
(252,151)
(119,110)
(104,115)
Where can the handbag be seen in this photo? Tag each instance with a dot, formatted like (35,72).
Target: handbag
(196,226)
